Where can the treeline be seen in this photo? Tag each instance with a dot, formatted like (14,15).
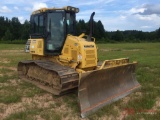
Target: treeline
(102,35)
(12,30)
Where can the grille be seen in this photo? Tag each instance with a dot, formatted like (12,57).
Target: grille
(88,62)
(39,44)
(66,50)
(90,56)
(74,54)
(89,51)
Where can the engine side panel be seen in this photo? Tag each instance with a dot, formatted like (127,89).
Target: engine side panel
(79,50)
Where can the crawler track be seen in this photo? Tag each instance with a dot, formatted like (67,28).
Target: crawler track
(50,76)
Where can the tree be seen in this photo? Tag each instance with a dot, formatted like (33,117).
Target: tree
(99,30)
(25,30)
(118,36)
(2,28)
(8,35)
(16,28)
(81,26)
(13,29)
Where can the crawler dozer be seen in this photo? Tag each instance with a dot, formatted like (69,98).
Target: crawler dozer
(62,62)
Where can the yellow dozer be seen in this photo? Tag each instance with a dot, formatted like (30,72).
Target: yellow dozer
(62,62)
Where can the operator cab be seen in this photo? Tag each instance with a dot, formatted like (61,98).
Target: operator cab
(53,25)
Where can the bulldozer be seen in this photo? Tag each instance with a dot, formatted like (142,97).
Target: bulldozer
(63,62)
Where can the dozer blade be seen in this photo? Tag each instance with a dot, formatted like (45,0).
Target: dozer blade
(101,87)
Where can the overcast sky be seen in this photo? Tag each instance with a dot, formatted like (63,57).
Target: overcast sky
(114,14)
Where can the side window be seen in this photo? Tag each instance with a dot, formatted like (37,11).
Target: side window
(37,22)
(70,23)
(32,24)
(41,24)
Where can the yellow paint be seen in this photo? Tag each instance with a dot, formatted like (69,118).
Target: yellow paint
(81,51)
(37,47)
(66,8)
(76,52)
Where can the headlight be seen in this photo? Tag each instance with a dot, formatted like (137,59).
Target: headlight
(77,10)
(73,9)
(69,8)
(33,46)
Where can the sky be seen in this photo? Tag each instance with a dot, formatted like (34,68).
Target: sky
(114,14)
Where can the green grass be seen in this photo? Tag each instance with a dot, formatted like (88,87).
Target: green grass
(12,46)
(9,94)
(10,98)
(25,115)
(51,115)
(72,103)
(5,70)
(148,72)
(30,90)
(148,75)
(107,110)
(5,78)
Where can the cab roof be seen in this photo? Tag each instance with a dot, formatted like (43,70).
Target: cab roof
(66,8)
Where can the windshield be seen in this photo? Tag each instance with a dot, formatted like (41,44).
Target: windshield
(55,31)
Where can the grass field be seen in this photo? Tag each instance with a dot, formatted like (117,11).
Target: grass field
(23,101)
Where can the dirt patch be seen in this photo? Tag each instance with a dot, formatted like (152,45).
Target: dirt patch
(70,114)
(126,99)
(117,49)
(43,101)
(10,68)
(107,118)
(1,75)
(10,109)
(4,60)
(151,69)
(40,101)
(14,82)
(111,117)
(67,113)
(157,104)
(138,94)
(132,50)
(4,84)
(38,117)
(121,116)
(7,71)
(106,50)
(12,51)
